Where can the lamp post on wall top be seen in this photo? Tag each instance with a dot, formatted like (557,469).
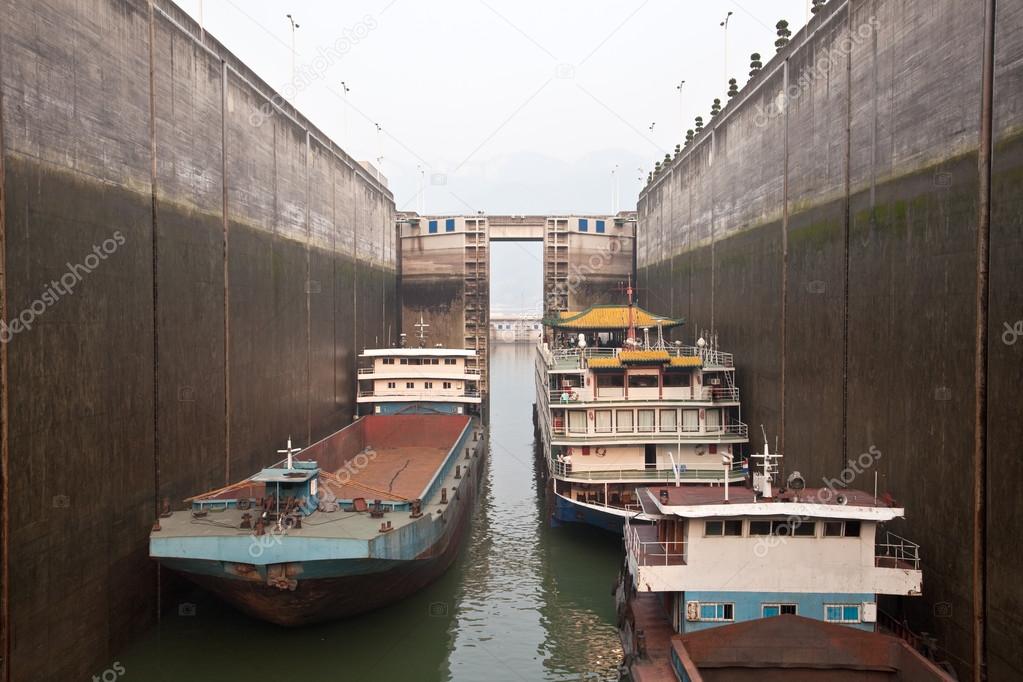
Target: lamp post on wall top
(294,26)
(725,25)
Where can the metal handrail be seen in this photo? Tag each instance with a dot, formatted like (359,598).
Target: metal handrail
(438,397)
(705,394)
(612,472)
(653,552)
(712,358)
(898,550)
(739,430)
(413,375)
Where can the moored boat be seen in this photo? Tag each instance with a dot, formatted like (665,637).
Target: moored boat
(360,519)
(615,410)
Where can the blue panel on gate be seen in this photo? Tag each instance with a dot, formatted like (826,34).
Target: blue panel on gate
(433,227)
(449,225)
(600,226)
(584,225)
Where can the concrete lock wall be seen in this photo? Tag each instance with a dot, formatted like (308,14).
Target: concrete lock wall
(228,262)
(825,226)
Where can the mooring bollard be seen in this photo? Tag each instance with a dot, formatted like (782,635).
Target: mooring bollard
(443,495)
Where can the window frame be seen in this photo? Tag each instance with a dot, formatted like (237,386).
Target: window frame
(780,606)
(844,619)
(725,608)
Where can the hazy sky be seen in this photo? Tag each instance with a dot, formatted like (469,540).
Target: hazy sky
(506,107)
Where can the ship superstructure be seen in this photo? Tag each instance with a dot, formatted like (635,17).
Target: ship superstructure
(618,406)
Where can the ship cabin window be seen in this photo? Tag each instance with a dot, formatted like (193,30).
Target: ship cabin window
(388,361)
(759,527)
(577,421)
(842,613)
(428,384)
(717,612)
(690,420)
(404,361)
(410,384)
(391,384)
(768,610)
(447,384)
(646,421)
(841,529)
(642,381)
(603,421)
(626,420)
(730,528)
(713,420)
(669,420)
(450,361)
(610,381)
(676,379)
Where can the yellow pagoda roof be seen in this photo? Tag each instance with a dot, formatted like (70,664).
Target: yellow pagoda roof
(603,363)
(644,356)
(687,361)
(610,317)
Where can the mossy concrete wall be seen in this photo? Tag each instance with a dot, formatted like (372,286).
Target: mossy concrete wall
(824,224)
(249,261)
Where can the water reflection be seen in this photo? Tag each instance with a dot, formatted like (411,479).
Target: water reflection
(522,602)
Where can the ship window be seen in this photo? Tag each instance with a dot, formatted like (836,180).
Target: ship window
(713,528)
(642,381)
(610,380)
(404,361)
(852,529)
(410,384)
(391,384)
(447,384)
(625,421)
(804,529)
(676,380)
(388,361)
(733,527)
(449,361)
(603,423)
(717,612)
(428,384)
(713,420)
(577,421)
(669,419)
(769,610)
(646,421)
(759,527)
(832,529)
(842,613)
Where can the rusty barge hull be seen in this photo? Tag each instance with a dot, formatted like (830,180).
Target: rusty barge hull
(343,563)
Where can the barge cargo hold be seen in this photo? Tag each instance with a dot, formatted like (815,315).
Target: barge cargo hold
(359,520)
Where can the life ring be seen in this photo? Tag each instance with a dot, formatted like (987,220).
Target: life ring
(600,452)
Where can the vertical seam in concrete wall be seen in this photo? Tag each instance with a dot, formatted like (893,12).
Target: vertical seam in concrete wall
(5,473)
(155,262)
(308,304)
(846,219)
(333,281)
(355,288)
(981,351)
(784,258)
(713,207)
(226,274)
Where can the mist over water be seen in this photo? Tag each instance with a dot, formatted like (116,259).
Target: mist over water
(522,602)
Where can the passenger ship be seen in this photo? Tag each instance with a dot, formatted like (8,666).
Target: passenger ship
(615,412)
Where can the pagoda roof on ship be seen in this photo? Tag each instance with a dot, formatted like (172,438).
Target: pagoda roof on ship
(610,317)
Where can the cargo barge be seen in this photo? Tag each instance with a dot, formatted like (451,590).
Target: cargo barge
(358,520)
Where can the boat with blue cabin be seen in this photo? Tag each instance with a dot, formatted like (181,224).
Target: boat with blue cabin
(616,410)
(357,520)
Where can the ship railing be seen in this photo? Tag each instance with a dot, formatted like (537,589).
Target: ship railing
(897,552)
(570,394)
(402,371)
(562,469)
(420,395)
(643,546)
(659,434)
(569,358)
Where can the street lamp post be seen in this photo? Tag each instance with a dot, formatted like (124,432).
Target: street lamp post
(725,25)
(294,25)
(344,112)
(681,119)
(614,190)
